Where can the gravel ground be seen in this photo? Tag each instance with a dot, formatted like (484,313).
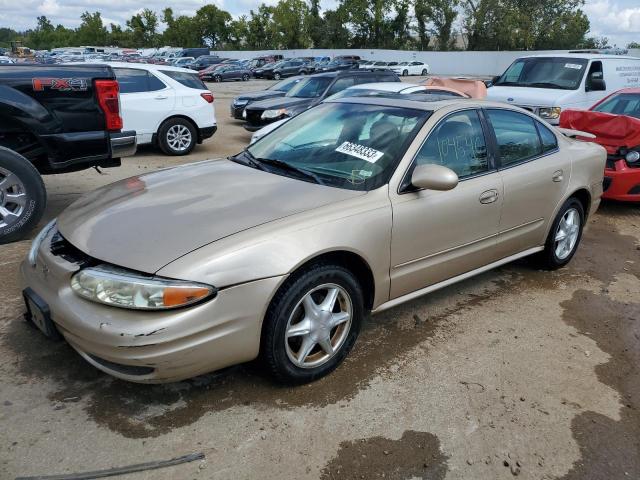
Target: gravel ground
(517,372)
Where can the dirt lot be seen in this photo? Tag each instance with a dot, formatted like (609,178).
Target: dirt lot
(517,372)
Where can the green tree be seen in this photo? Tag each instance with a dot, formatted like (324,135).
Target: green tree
(290,20)
(213,25)
(435,18)
(335,33)
(144,26)
(91,30)
(181,31)
(239,30)
(633,45)
(261,34)
(315,24)
(119,37)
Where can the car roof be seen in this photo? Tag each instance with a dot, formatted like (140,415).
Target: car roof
(385,86)
(149,67)
(586,56)
(634,90)
(421,105)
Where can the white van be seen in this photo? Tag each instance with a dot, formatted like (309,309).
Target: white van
(546,84)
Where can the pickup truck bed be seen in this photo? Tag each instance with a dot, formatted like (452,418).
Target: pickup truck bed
(58,118)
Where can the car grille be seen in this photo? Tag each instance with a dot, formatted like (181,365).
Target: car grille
(60,247)
(611,162)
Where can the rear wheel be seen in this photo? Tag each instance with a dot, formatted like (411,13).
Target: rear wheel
(277,76)
(312,323)
(424,72)
(23,196)
(245,77)
(217,78)
(405,73)
(177,136)
(564,236)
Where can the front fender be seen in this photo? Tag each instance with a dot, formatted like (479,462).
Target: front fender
(361,225)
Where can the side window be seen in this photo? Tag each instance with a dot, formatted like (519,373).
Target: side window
(155,83)
(549,140)
(360,79)
(516,135)
(457,143)
(595,70)
(340,84)
(131,80)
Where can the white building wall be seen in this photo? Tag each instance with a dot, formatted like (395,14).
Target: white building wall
(440,63)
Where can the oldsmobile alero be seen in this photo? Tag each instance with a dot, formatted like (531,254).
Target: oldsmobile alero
(279,252)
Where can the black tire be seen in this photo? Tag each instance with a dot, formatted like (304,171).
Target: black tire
(277,76)
(245,77)
(405,73)
(549,258)
(425,72)
(172,126)
(287,300)
(25,180)
(217,79)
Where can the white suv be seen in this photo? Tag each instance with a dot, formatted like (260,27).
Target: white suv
(167,106)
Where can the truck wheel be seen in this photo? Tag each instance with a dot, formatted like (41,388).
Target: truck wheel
(177,136)
(23,196)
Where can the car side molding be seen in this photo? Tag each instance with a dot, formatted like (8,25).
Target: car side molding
(450,281)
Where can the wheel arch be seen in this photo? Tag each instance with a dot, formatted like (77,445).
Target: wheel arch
(584,197)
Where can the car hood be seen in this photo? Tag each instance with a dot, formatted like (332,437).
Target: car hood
(147,221)
(527,95)
(611,131)
(280,102)
(261,95)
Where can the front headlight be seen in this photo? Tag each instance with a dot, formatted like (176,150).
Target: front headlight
(270,114)
(35,245)
(550,112)
(632,156)
(122,288)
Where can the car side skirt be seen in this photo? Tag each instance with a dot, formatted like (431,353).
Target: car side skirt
(437,286)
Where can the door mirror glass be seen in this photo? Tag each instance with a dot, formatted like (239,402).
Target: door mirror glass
(434,177)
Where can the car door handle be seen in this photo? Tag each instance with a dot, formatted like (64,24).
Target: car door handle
(489,196)
(161,97)
(558,176)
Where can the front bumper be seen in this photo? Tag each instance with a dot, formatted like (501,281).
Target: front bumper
(152,347)
(236,110)
(622,182)
(123,144)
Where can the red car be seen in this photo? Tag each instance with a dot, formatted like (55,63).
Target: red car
(615,121)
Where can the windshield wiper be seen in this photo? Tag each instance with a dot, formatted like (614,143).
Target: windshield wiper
(287,166)
(250,160)
(545,85)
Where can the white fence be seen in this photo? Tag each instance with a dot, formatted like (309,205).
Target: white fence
(441,63)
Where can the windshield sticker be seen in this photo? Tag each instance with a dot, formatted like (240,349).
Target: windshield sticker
(575,66)
(367,154)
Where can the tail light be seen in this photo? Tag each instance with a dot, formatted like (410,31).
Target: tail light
(208,96)
(109,101)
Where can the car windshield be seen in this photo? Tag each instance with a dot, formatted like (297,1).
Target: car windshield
(285,85)
(356,92)
(621,104)
(345,145)
(311,87)
(563,73)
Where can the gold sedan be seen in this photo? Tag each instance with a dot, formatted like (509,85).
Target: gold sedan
(279,252)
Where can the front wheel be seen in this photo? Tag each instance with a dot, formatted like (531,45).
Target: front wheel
(245,77)
(564,236)
(405,73)
(217,79)
(177,136)
(277,76)
(23,196)
(424,72)
(312,324)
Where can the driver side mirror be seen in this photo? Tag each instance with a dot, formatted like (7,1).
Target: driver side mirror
(434,177)
(596,82)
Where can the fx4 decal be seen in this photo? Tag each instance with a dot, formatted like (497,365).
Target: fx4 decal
(60,84)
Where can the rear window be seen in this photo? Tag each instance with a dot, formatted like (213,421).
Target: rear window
(189,80)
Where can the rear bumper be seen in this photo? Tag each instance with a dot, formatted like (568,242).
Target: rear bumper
(622,183)
(123,144)
(206,132)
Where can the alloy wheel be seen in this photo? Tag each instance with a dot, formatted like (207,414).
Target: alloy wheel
(567,233)
(179,138)
(13,198)
(318,326)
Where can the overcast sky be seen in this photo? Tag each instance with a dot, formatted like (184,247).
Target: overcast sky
(619,20)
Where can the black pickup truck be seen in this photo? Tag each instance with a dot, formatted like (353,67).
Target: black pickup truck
(53,119)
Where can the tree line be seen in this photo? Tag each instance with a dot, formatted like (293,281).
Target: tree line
(296,24)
